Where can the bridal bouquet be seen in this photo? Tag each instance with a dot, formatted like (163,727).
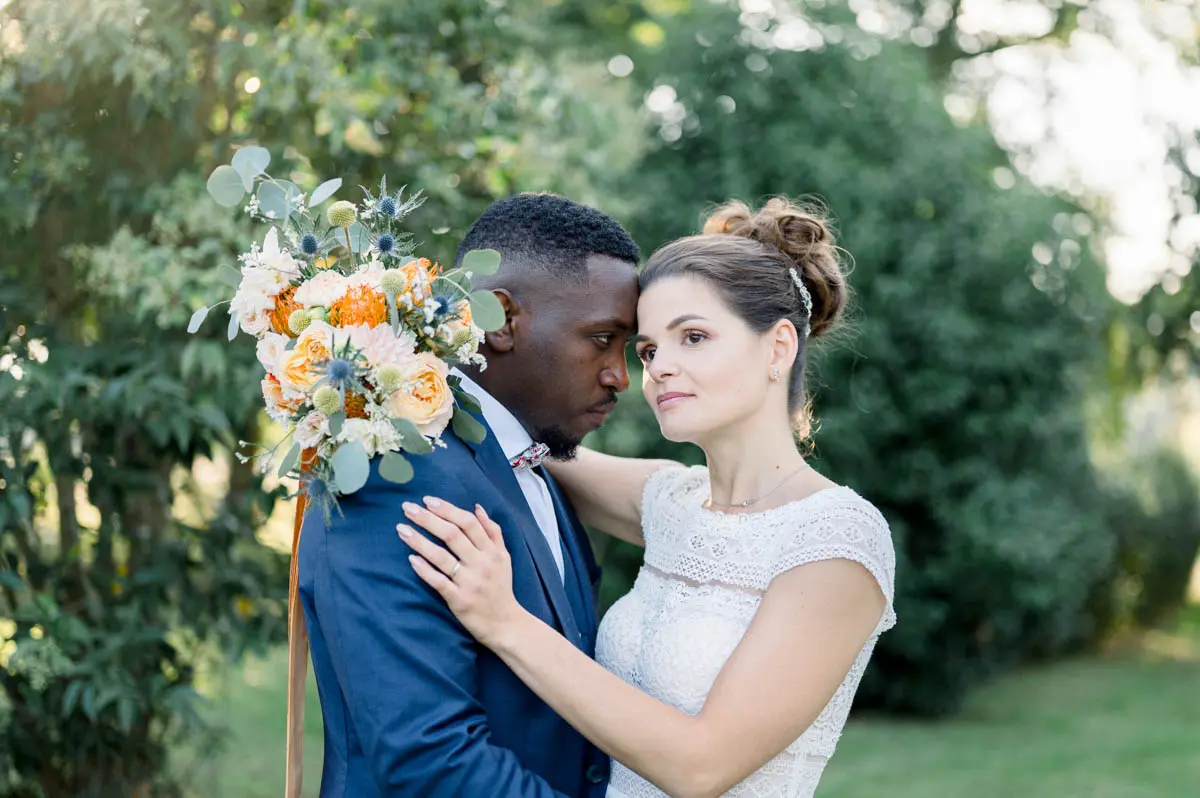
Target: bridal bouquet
(355,332)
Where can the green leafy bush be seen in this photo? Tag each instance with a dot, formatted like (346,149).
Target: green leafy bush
(1153,505)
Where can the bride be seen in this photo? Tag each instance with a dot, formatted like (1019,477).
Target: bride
(730,667)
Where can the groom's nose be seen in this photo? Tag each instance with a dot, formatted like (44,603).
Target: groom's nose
(615,375)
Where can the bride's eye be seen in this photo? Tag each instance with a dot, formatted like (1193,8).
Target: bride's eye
(645,354)
(694,337)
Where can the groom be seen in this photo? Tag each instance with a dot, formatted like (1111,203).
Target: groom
(412,705)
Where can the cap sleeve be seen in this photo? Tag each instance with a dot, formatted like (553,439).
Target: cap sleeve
(850,529)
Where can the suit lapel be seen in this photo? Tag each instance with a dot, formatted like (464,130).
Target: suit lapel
(573,538)
(495,465)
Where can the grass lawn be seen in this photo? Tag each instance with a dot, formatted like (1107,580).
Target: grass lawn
(1125,725)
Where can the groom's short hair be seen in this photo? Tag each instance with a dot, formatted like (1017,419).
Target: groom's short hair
(548,232)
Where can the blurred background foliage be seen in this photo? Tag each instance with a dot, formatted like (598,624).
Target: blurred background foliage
(980,397)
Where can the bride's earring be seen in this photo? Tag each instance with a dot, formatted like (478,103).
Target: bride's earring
(774,375)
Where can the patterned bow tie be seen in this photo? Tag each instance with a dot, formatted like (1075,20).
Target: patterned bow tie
(530,458)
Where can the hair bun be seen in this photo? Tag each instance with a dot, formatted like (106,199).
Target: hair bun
(804,236)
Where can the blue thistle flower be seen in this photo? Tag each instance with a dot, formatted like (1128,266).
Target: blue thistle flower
(385,243)
(340,373)
(309,244)
(442,304)
(387,206)
(316,489)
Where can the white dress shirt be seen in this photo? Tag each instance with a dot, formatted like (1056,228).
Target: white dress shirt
(513,440)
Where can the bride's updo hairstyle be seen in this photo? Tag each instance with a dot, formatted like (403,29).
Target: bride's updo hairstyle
(753,259)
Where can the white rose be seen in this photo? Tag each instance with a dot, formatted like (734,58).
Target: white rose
(322,290)
(271,348)
(312,429)
(358,430)
(256,324)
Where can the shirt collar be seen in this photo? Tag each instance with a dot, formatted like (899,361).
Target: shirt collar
(511,436)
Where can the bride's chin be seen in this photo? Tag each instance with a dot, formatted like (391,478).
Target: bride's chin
(674,433)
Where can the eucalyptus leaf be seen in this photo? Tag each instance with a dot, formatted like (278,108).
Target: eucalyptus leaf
(351,467)
(468,402)
(360,238)
(249,163)
(225,186)
(324,192)
(290,460)
(335,424)
(196,320)
(482,261)
(229,275)
(273,202)
(486,311)
(458,278)
(232,331)
(396,468)
(411,438)
(291,191)
(466,427)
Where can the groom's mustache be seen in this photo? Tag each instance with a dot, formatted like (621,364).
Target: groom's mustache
(604,406)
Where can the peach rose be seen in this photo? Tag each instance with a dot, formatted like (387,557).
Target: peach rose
(298,370)
(424,396)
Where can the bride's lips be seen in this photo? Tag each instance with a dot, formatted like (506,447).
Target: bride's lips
(671,398)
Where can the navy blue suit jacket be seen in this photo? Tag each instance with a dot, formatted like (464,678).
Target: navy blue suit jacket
(412,704)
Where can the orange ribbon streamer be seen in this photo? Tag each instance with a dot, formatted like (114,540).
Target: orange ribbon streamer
(297,657)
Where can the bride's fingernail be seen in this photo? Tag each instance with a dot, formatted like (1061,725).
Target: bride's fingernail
(405,531)
(432,502)
(410,508)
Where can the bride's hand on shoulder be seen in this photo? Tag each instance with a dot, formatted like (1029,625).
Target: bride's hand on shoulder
(473,573)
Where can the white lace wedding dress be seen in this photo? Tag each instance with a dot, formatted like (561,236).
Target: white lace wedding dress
(703,578)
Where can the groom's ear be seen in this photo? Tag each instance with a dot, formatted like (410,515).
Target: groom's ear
(503,339)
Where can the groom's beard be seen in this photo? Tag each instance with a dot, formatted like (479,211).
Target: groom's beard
(562,445)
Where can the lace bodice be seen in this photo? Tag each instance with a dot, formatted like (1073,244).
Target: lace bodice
(703,578)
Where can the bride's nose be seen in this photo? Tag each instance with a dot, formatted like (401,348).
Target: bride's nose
(662,367)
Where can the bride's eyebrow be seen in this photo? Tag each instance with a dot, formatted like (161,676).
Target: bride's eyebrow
(637,339)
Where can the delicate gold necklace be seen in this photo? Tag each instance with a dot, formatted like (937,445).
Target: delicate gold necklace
(756,499)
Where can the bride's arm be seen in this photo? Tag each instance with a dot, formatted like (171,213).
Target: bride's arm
(607,491)
(810,627)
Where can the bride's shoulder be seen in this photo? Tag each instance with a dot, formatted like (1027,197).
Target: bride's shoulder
(674,482)
(832,522)
(840,504)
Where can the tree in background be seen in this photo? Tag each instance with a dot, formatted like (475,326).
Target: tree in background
(123,574)
(955,403)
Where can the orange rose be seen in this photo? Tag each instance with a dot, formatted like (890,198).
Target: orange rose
(273,396)
(424,396)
